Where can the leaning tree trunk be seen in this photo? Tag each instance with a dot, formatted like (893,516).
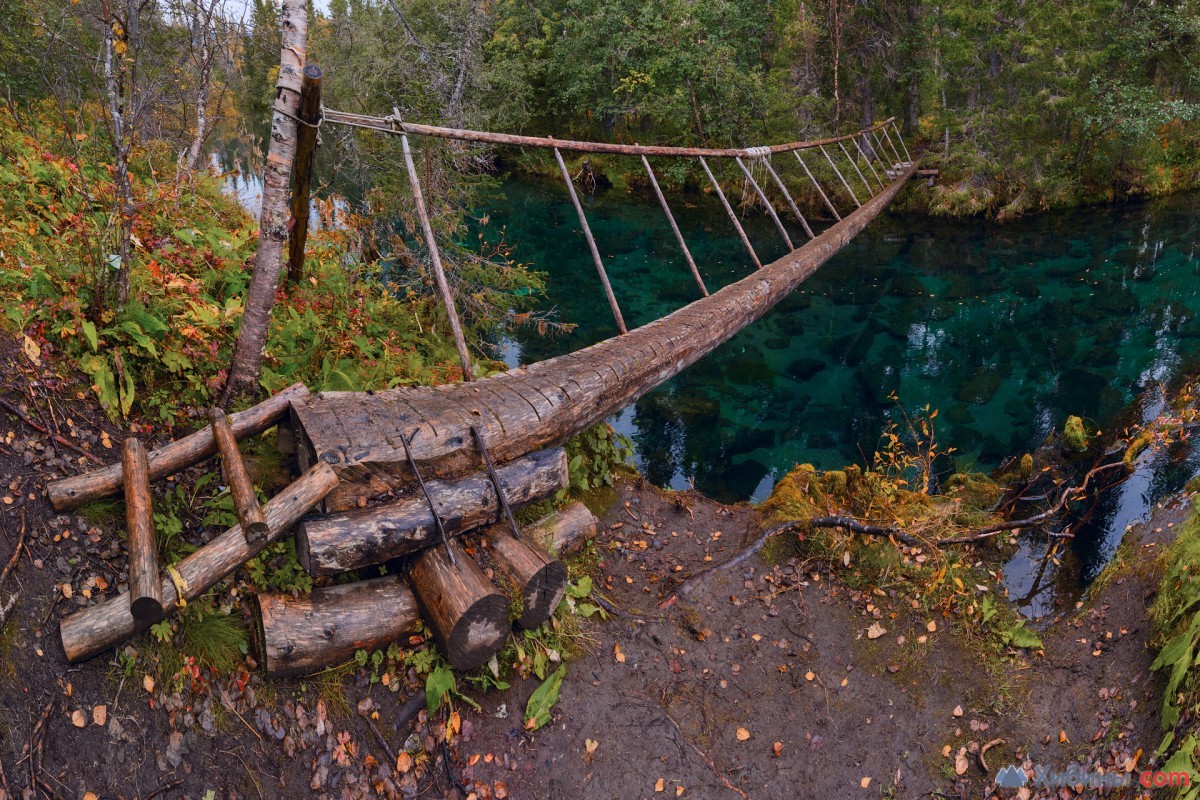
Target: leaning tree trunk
(273,218)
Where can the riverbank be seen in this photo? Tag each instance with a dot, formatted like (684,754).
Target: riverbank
(801,669)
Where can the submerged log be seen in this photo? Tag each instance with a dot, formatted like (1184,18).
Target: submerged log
(171,458)
(539,579)
(468,616)
(355,539)
(238,477)
(547,403)
(564,532)
(145,588)
(99,627)
(303,635)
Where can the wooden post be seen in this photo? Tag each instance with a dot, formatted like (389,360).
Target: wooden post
(354,539)
(861,177)
(591,243)
(435,259)
(732,214)
(297,636)
(841,178)
(870,166)
(309,115)
(907,155)
(817,184)
(145,591)
(180,454)
(788,196)
(687,254)
(468,616)
(238,477)
(99,627)
(539,579)
(889,169)
(766,202)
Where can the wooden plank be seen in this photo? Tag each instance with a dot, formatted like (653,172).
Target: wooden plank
(145,591)
(245,500)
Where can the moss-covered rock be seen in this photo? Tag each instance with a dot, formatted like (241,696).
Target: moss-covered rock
(1027,466)
(1074,435)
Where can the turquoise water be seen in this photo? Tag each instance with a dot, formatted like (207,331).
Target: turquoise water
(1007,330)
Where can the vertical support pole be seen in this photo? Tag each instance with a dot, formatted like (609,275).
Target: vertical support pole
(907,155)
(732,214)
(763,197)
(889,170)
(309,115)
(841,178)
(887,136)
(591,242)
(817,184)
(662,201)
(788,196)
(435,258)
(846,153)
(867,159)
(145,583)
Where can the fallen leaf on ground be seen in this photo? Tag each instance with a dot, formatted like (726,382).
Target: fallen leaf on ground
(960,761)
(658,785)
(1062,738)
(100,715)
(777,749)
(865,782)
(148,683)
(808,676)
(743,734)
(78,719)
(931,626)
(404,762)
(590,745)
(875,631)
(958,712)
(618,654)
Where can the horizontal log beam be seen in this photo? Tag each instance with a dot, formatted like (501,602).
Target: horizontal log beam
(178,455)
(100,627)
(355,539)
(543,405)
(394,126)
(306,634)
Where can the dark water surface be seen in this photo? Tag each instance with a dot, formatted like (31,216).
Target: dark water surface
(1007,330)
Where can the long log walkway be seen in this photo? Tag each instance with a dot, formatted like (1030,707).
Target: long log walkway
(547,403)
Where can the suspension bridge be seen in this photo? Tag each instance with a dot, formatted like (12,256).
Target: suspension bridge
(486,445)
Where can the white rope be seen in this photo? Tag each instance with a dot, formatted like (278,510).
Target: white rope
(758,152)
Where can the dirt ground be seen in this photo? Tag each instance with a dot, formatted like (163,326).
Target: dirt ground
(761,683)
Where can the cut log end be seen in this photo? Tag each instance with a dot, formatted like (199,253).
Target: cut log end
(480,632)
(256,532)
(146,611)
(542,594)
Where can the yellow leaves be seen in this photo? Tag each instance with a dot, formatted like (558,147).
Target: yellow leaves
(404,762)
(1062,738)
(931,626)
(78,719)
(33,351)
(659,785)
(617,654)
(742,734)
(875,631)
(810,675)
(589,749)
(148,683)
(865,782)
(106,440)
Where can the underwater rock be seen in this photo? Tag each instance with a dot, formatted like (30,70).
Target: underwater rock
(803,369)
(776,343)
(980,389)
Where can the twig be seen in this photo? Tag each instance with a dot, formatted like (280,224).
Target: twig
(16,554)
(688,585)
(382,741)
(866,529)
(983,752)
(411,708)
(42,429)
(7,608)
(166,787)
(711,765)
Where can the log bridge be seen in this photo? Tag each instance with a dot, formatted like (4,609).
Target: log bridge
(397,477)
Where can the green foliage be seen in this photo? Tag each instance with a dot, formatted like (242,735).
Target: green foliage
(595,456)
(213,637)
(1074,435)
(277,569)
(438,687)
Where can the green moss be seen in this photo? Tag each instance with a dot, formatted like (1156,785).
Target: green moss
(976,490)
(1027,466)
(1074,436)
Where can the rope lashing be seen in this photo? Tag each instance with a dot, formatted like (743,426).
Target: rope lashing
(758,152)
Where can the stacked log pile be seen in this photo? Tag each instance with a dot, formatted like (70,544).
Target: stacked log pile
(430,575)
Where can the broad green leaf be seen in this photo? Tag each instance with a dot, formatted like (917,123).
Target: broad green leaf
(541,702)
(89,331)
(439,683)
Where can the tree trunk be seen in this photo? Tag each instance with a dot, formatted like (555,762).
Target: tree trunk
(180,454)
(145,590)
(302,635)
(306,152)
(100,627)
(351,540)
(202,29)
(273,218)
(468,616)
